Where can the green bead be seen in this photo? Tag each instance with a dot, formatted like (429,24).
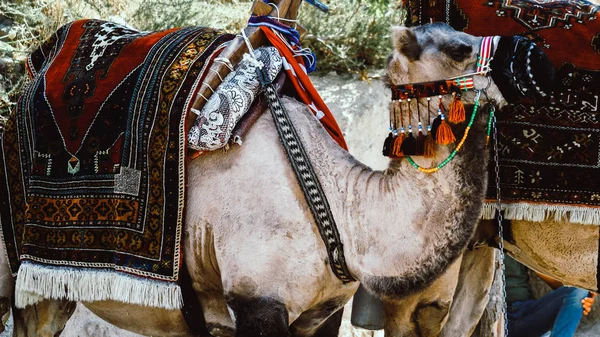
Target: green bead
(489,126)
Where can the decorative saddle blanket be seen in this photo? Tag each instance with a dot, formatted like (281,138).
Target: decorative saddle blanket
(549,151)
(92,170)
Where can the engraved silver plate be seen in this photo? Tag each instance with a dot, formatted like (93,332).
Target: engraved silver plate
(128,181)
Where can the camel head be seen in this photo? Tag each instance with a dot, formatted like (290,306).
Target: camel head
(436,51)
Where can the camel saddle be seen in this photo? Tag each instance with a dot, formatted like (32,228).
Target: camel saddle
(93,163)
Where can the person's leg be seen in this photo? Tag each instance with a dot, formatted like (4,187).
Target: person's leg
(570,313)
(525,319)
(533,318)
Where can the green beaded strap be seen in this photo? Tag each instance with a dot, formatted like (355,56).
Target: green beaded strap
(458,147)
(489,126)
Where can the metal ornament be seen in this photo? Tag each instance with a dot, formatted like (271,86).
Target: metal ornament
(500,227)
(73,165)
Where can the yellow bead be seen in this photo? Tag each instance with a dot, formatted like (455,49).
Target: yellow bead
(428,170)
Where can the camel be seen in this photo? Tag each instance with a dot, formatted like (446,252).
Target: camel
(564,246)
(565,250)
(451,306)
(401,228)
(453,303)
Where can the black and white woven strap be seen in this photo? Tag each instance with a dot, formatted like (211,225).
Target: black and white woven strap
(309,182)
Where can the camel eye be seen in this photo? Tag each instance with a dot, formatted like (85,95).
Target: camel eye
(458,52)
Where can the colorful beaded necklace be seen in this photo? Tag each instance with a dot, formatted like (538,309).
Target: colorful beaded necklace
(458,147)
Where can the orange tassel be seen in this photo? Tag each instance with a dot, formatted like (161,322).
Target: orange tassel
(397,151)
(444,134)
(429,148)
(457,110)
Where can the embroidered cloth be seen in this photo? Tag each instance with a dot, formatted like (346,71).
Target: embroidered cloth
(549,151)
(214,125)
(92,163)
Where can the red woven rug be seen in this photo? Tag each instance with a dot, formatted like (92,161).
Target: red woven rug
(92,163)
(549,151)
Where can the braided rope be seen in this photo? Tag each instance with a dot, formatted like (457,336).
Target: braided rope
(309,182)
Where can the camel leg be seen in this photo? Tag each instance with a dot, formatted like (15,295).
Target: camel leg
(217,317)
(7,285)
(331,327)
(424,313)
(43,319)
(471,295)
(322,321)
(259,317)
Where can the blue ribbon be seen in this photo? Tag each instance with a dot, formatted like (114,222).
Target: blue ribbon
(320,6)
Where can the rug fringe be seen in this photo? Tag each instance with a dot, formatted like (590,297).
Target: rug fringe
(36,281)
(539,213)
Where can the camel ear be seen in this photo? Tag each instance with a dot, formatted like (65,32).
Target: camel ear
(405,41)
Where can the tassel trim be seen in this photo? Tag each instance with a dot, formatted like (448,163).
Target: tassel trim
(420,143)
(444,134)
(540,213)
(456,113)
(388,145)
(37,281)
(429,148)
(409,145)
(397,150)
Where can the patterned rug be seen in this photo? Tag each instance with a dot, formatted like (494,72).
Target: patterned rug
(549,151)
(92,163)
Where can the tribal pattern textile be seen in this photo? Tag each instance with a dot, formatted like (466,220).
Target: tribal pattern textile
(549,152)
(93,162)
(549,160)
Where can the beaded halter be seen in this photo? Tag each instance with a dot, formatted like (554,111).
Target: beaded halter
(402,143)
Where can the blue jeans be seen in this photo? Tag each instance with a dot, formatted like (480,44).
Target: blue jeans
(559,311)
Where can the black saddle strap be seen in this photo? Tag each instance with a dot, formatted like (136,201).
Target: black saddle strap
(309,182)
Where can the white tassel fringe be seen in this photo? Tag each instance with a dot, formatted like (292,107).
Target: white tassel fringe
(36,282)
(539,213)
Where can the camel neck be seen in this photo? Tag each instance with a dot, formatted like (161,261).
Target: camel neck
(407,227)
(400,228)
